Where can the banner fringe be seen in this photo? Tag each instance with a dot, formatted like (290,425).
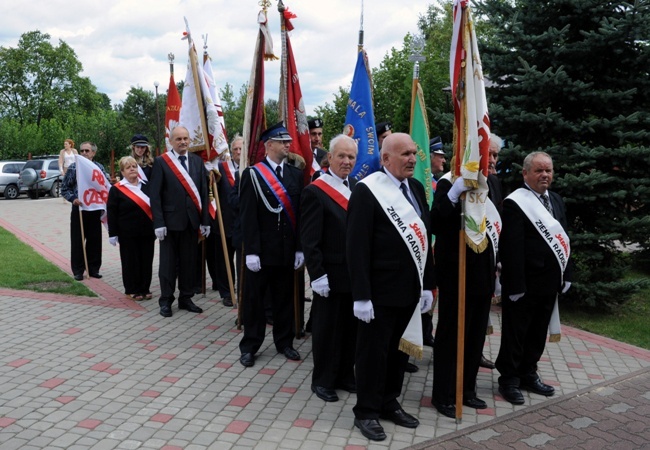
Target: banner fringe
(555,337)
(410,349)
(480,247)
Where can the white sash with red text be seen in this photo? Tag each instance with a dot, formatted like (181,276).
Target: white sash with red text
(135,194)
(555,237)
(414,234)
(335,189)
(183,177)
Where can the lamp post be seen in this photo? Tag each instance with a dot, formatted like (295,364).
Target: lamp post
(156,84)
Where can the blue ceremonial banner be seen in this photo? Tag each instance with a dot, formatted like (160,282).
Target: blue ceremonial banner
(360,120)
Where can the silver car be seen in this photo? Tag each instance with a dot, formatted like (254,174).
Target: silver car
(41,176)
(9,173)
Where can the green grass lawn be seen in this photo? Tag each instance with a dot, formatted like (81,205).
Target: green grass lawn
(24,269)
(630,323)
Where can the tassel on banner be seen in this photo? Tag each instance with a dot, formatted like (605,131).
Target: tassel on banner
(410,348)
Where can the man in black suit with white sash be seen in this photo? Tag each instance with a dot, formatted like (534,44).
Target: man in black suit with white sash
(391,271)
(534,248)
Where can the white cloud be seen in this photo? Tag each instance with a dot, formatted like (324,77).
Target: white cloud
(125,43)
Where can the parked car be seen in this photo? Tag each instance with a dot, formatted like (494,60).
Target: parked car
(9,173)
(41,176)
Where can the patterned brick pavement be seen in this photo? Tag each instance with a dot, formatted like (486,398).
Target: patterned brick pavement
(106,372)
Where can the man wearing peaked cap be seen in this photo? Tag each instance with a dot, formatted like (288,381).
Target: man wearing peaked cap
(270,220)
(437,155)
(316,138)
(383,129)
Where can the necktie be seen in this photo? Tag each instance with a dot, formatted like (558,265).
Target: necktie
(182,159)
(345,182)
(278,171)
(546,202)
(405,191)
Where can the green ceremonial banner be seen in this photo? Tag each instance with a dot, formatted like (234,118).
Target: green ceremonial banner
(420,134)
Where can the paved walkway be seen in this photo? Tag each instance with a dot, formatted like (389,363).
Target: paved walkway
(105,372)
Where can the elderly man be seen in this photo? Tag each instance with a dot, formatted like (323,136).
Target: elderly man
(179,204)
(270,220)
(534,249)
(324,206)
(391,274)
(92,225)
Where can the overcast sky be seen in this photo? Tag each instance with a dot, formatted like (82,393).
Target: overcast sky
(125,43)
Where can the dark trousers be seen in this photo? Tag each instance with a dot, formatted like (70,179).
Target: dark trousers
(523,337)
(477,310)
(279,280)
(221,281)
(136,254)
(334,336)
(177,260)
(92,240)
(379,363)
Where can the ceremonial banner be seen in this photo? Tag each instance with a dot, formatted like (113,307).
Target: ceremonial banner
(420,135)
(198,112)
(173,111)
(471,123)
(220,139)
(292,107)
(360,120)
(254,115)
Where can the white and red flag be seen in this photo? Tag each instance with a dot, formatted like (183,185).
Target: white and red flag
(292,107)
(198,111)
(92,186)
(471,123)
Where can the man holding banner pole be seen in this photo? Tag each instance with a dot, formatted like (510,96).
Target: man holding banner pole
(86,186)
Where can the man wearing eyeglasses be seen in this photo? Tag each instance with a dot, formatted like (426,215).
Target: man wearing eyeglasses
(92,225)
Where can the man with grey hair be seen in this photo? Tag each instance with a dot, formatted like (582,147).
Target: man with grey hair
(496,144)
(324,205)
(535,250)
(92,225)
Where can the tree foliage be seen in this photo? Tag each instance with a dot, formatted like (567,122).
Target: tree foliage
(573,79)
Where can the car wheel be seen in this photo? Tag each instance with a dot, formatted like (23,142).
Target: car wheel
(11,192)
(54,190)
(33,194)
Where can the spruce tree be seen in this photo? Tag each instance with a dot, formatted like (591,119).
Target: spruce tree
(573,79)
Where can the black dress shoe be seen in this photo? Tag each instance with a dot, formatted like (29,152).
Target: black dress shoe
(411,368)
(511,394)
(448,410)
(96,275)
(350,387)
(247,359)
(291,353)
(371,429)
(486,363)
(79,276)
(227,301)
(401,418)
(475,403)
(538,387)
(188,305)
(166,311)
(429,341)
(325,394)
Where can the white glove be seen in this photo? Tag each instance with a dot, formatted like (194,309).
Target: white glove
(516,297)
(363,310)
(456,189)
(113,240)
(205,230)
(567,285)
(426,301)
(253,263)
(299,261)
(161,233)
(321,286)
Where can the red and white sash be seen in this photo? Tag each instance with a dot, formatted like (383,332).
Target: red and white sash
(278,190)
(183,177)
(135,194)
(414,234)
(229,172)
(335,189)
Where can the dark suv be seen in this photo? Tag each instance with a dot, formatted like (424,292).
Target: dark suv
(41,176)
